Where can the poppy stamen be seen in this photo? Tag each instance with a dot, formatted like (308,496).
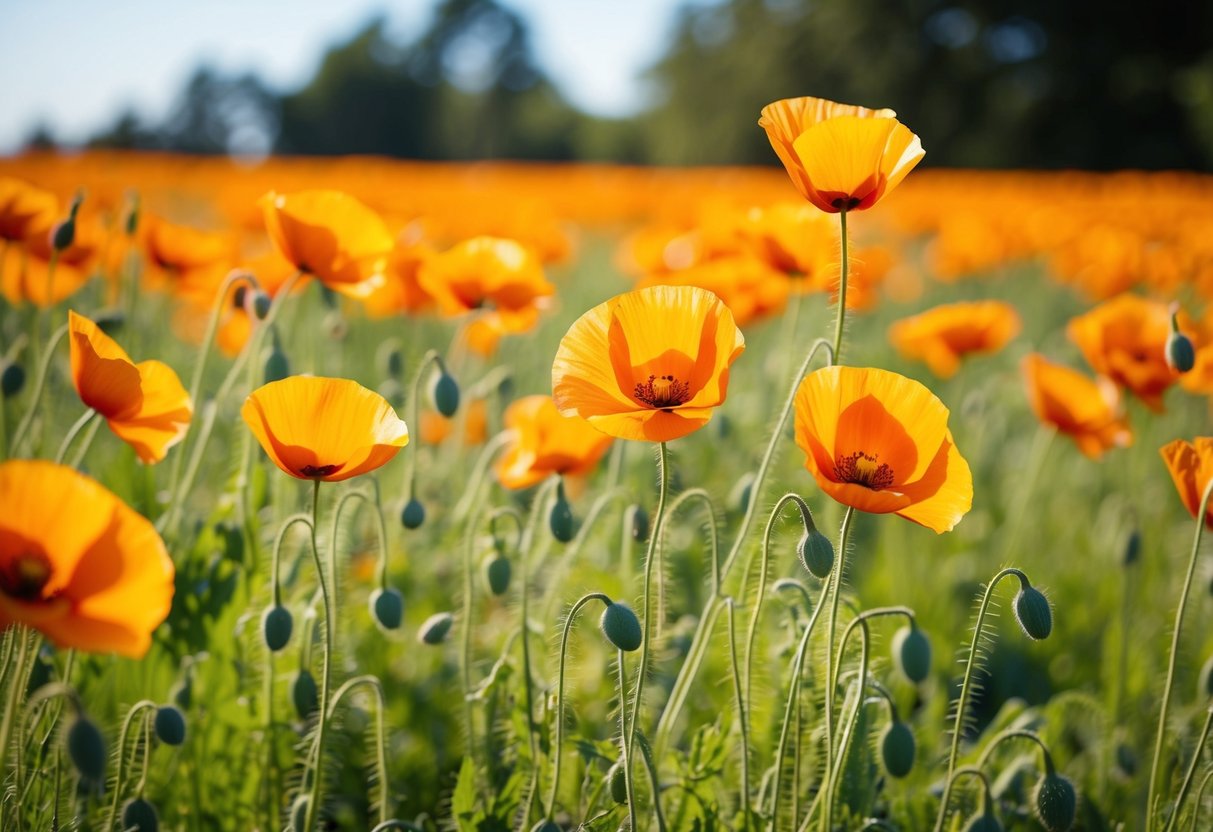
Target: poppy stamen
(316,471)
(662,392)
(860,468)
(25,576)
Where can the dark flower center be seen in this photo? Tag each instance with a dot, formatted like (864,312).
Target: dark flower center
(663,392)
(861,469)
(316,471)
(24,576)
(846,203)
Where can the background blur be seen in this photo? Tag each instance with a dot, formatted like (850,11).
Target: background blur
(1030,83)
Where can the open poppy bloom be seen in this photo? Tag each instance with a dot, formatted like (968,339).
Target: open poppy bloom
(484,272)
(879,442)
(839,156)
(546,442)
(1076,406)
(25,210)
(178,249)
(77,563)
(745,283)
(650,364)
(1191,467)
(26,274)
(944,335)
(330,236)
(1125,339)
(144,403)
(327,429)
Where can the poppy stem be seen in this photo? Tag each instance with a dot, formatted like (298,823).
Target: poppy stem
(842,288)
(39,386)
(410,468)
(476,480)
(743,722)
(1201,515)
(26,651)
(836,579)
(120,781)
(1200,799)
(313,805)
(376,688)
(624,741)
(80,424)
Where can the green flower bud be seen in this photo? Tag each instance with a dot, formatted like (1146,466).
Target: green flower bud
(182,693)
(277,366)
(86,748)
(1204,688)
(739,497)
(617,780)
(444,393)
(12,379)
(912,653)
(387,608)
(816,553)
(1181,355)
(138,815)
(391,390)
(984,822)
(897,749)
(546,826)
(639,520)
(497,572)
(560,519)
(110,321)
(436,628)
(304,694)
(276,627)
(413,514)
(1056,802)
(130,223)
(1126,760)
(170,725)
(621,627)
(1033,613)
(1132,551)
(299,813)
(391,359)
(260,305)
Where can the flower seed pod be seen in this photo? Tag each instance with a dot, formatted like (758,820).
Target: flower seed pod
(816,553)
(560,519)
(1204,688)
(130,222)
(912,653)
(546,826)
(617,780)
(304,694)
(299,813)
(387,608)
(413,514)
(897,748)
(169,725)
(621,627)
(277,366)
(1033,613)
(138,815)
(86,748)
(436,628)
(276,627)
(12,379)
(1181,355)
(638,518)
(260,305)
(497,572)
(444,393)
(1132,549)
(1056,802)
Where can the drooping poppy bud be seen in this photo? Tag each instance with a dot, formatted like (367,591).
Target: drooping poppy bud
(621,627)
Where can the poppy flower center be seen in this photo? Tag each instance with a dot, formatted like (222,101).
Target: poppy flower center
(25,576)
(860,468)
(662,392)
(318,471)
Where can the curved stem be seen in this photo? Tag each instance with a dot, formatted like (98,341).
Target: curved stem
(380,731)
(479,470)
(143,704)
(39,386)
(333,571)
(646,754)
(1191,775)
(85,444)
(625,744)
(840,322)
(276,558)
(838,574)
(72,433)
(410,469)
(1015,734)
(741,717)
(702,496)
(1200,796)
(313,806)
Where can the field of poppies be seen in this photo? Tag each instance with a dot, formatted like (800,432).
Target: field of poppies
(358,494)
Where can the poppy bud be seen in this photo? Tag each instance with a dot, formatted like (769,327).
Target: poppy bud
(276,627)
(138,815)
(435,628)
(1056,802)
(304,693)
(546,826)
(816,553)
(110,321)
(387,608)
(639,520)
(445,394)
(240,296)
(897,749)
(1181,355)
(277,366)
(12,379)
(391,359)
(260,305)
(621,627)
(985,822)
(86,747)
(497,572)
(617,780)
(130,223)
(1033,613)
(299,813)
(413,514)
(739,497)
(182,693)
(1204,689)
(560,519)
(912,653)
(1132,549)
(169,725)
(391,390)
(724,426)
(1126,760)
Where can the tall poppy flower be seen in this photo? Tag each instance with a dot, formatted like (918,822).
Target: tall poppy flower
(144,404)
(546,442)
(78,564)
(25,210)
(327,429)
(650,364)
(1076,406)
(1191,469)
(178,249)
(879,442)
(27,276)
(484,272)
(331,236)
(840,157)
(942,336)
(1125,339)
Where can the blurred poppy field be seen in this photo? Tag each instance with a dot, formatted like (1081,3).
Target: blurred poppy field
(351,493)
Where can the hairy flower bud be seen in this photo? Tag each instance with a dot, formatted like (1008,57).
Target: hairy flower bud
(304,694)
(387,607)
(897,748)
(1033,613)
(1056,802)
(413,514)
(434,630)
(170,725)
(912,653)
(617,781)
(276,627)
(138,815)
(816,553)
(86,748)
(621,627)
(445,394)
(497,572)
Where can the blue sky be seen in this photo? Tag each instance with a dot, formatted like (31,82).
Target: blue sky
(74,64)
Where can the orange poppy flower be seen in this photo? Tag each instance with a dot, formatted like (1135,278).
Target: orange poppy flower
(144,403)
(484,271)
(401,291)
(746,284)
(1191,468)
(546,442)
(839,156)
(25,210)
(178,249)
(484,332)
(331,236)
(879,442)
(327,429)
(1076,406)
(650,364)
(945,334)
(797,241)
(435,428)
(26,273)
(78,564)
(1125,339)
